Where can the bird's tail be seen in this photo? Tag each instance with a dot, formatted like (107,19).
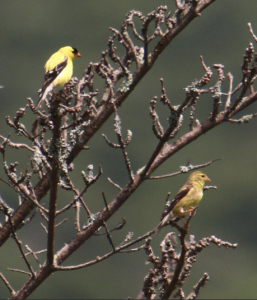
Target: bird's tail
(158,228)
(40,103)
(160,225)
(43,94)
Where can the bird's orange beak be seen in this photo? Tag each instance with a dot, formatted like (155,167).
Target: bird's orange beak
(207,179)
(78,55)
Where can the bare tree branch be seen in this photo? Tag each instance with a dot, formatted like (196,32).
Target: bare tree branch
(75,114)
(12,291)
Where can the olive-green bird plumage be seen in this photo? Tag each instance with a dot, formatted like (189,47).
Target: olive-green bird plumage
(186,199)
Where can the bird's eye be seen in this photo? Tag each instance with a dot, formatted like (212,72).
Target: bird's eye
(202,176)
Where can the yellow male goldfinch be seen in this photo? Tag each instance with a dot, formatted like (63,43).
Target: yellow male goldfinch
(58,71)
(186,199)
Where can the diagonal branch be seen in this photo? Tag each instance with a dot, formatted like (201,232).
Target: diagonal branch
(32,274)
(103,113)
(6,282)
(184,170)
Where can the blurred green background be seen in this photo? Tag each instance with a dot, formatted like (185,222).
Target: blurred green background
(30,32)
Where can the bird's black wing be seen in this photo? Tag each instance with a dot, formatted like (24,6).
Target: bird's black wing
(181,194)
(51,75)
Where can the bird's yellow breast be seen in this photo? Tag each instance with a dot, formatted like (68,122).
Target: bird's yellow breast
(192,199)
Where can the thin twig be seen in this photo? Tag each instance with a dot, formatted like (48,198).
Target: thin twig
(37,252)
(12,291)
(157,127)
(209,187)
(16,145)
(44,227)
(251,31)
(43,215)
(105,202)
(23,190)
(64,220)
(133,250)
(20,247)
(33,253)
(228,101)
(77,208)
(89,180)
(109,236)
(19,271)
(85,206)
(123,145)
(60,211)
(119,226)
(115,184)
(188,168)
(99,259)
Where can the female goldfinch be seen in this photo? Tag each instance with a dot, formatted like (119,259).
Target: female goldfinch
(58,71)
(186,199)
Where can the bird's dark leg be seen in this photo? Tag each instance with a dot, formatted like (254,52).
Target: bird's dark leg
(182,220)
(186,211)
